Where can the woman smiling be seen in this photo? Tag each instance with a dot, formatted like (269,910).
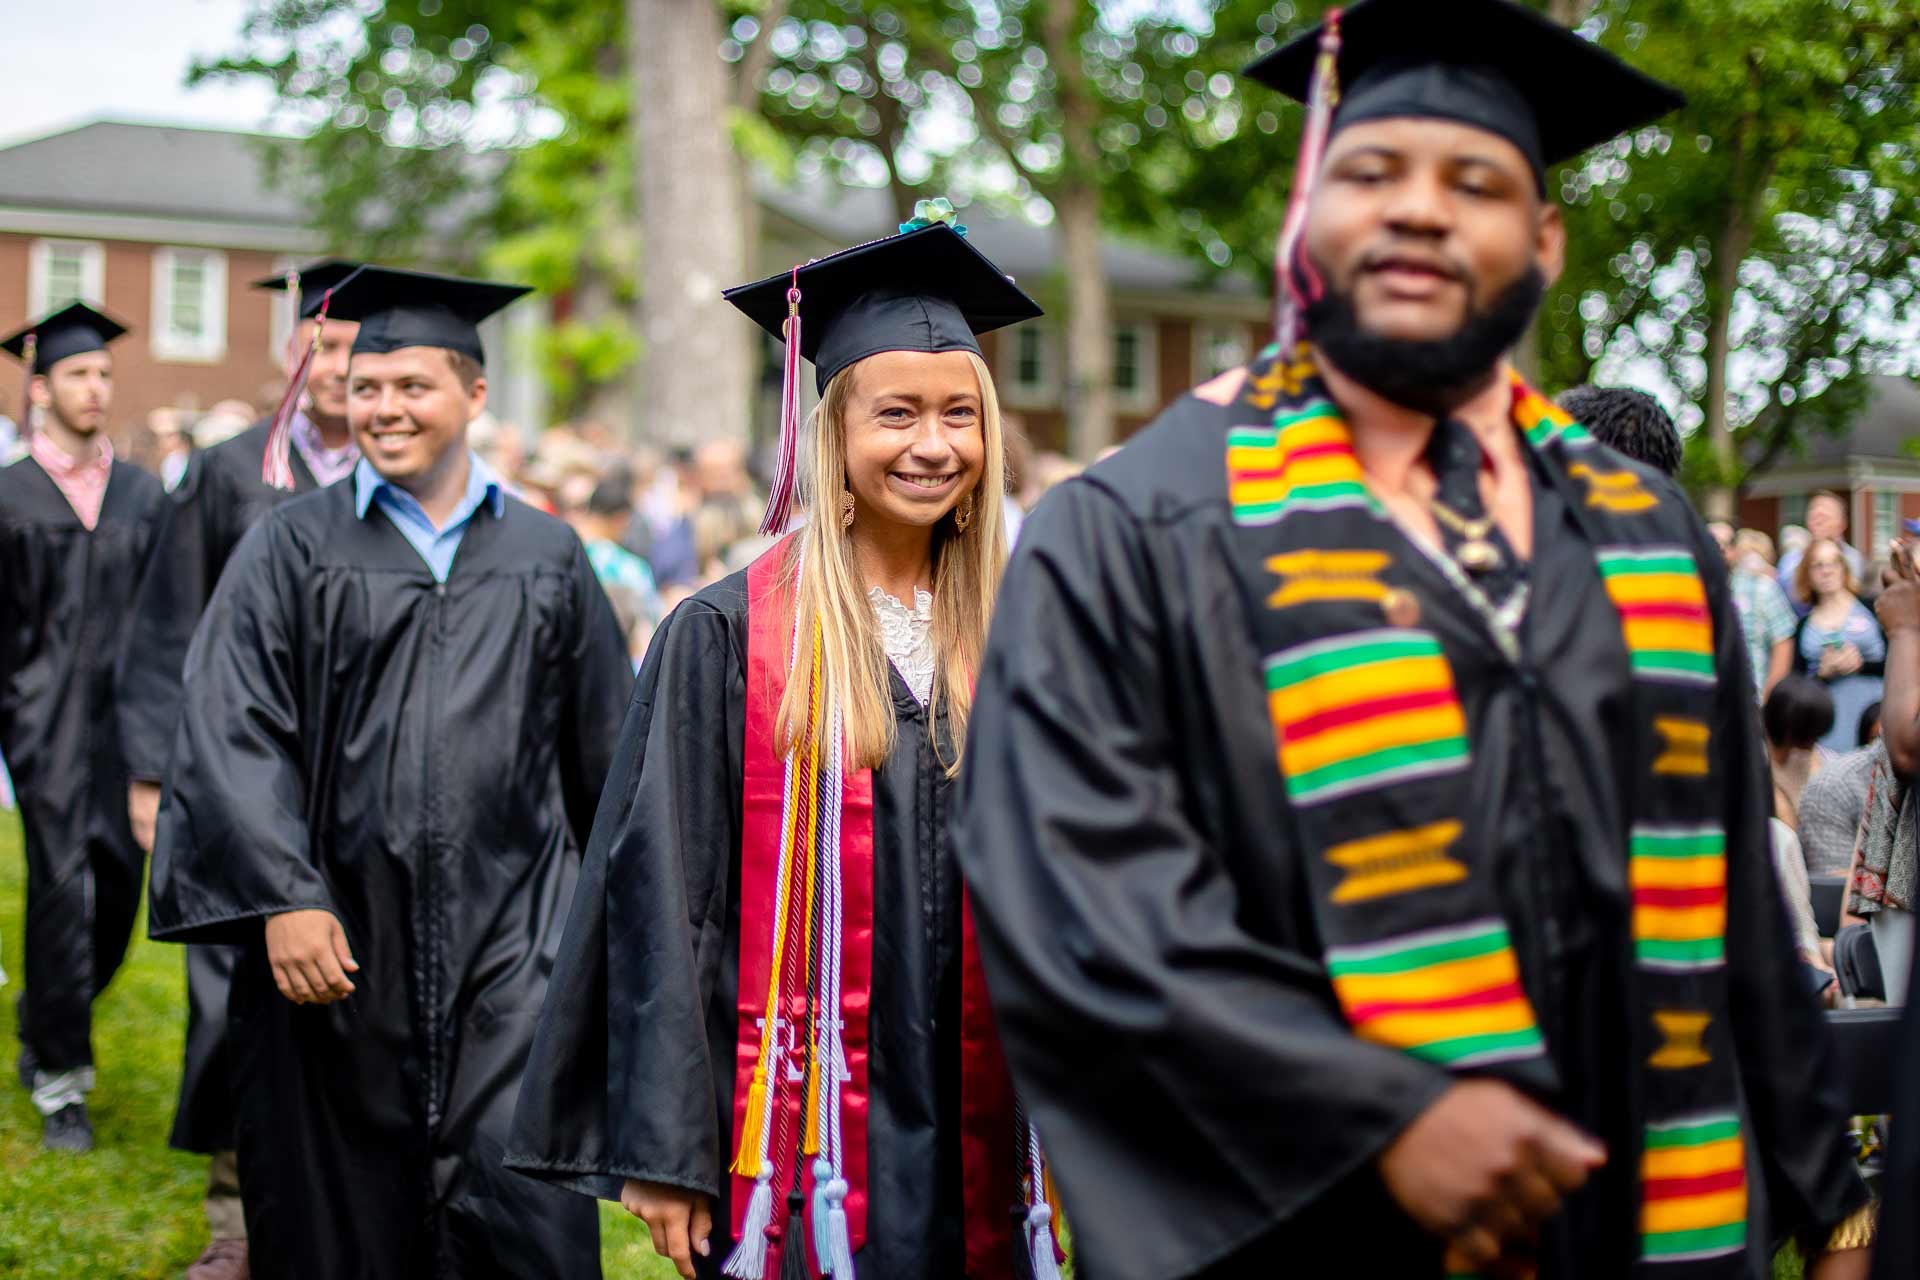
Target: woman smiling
(768,1031)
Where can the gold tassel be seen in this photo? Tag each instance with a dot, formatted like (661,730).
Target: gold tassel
(749,1147)
(1857,1231)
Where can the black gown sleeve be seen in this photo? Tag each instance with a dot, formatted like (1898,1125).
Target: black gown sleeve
(1780,1037)
(620,1083)
(232,846)
(602,686)
(173,591)
(1193,1083)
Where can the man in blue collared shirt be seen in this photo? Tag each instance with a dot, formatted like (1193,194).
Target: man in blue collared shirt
(401,709)
(437,544)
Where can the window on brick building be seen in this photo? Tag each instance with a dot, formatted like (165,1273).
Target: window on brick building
(1221,347)
(1886,522)
(189,304)
(1135,377)
(60,272)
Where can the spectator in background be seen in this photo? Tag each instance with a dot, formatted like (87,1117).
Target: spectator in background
(1826,520)
(1838,642)
(662,530)
(1799,712)
(501,447)
(600,519)
(727,510)
(222,423)
(1767,623)
(1631,422)
(1754,550)
(1834,801)
(172,445)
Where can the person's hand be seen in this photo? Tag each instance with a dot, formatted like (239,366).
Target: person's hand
(1847,660)
(1900,560)
(1898,607)
(1483,1167)
(1842,1264)
(680,1221)
(308,952)
(143,812)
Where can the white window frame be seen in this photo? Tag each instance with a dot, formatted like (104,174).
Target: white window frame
(167,344)
(1793,510)
(280,314)
(1886,522)
(1204,334)
(1042,394)
(1144,397)
(93,275)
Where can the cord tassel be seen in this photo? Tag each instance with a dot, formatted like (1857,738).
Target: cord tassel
(276,469)
(29,349)
(793,1255)
(780,495)
(748,1261)
(1295,283)
(1040,1243)
(839,1240)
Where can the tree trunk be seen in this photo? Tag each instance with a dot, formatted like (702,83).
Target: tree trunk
(696,364)
(1076,204)
(1728,253)
(594,303)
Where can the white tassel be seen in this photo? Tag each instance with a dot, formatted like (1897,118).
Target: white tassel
(822,1250)
(748,1261)
(839,1238)
(1040,1243)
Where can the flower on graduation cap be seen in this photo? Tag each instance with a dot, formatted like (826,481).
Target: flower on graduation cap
(927,213)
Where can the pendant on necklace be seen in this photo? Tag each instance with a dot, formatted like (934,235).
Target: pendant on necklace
(1477,555)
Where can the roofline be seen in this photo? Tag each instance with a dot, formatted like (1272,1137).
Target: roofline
(183,125)
(159,229)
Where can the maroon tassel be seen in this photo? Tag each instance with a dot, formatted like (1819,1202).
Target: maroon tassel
(1295,283)
(780,496)
(276,469)
(30,348)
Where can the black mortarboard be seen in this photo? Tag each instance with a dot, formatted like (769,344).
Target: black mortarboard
(309,284)
(398,309)
(1486,63)
(925,289)
(71,331)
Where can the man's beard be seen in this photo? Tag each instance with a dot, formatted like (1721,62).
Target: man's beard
(1432,376)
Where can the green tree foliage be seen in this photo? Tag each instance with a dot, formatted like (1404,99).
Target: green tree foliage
(1759,246)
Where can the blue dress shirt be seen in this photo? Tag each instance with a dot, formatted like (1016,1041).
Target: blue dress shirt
(436,546)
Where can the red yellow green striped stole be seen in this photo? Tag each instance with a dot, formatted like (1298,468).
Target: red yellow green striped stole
(1375,756)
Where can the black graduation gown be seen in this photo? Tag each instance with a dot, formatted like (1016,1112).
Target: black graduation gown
(632,1071)
(1896,1254)
(63,591)
(220,498)
(1148,930)
(423,760)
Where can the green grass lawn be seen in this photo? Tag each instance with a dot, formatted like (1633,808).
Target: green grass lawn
(132,1208)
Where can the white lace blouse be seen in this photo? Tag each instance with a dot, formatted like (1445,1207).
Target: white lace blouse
(907,636)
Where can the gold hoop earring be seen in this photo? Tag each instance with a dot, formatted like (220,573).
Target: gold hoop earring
(846,509)
(963,514)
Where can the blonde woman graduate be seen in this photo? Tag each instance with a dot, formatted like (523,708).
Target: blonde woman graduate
(773,837)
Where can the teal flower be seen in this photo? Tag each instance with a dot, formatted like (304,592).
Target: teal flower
(927,213)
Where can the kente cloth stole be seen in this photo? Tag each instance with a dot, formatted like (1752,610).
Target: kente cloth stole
(806,951)
(1375,751)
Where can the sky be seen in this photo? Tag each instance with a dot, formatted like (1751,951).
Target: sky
(64,62)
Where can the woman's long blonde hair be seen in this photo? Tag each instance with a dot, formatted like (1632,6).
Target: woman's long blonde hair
(966,577)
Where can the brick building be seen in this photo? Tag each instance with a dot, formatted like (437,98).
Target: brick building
(1871,467)
(161,228)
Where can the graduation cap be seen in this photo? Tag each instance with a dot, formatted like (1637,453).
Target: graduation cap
(73,330)
(395,309)
(926,289)
(308,285)
(1490,64)
(399,308)
(1486,63)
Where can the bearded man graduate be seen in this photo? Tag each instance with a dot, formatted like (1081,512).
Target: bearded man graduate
(304,446)
(1368,835)
(399,712)
(75,525)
